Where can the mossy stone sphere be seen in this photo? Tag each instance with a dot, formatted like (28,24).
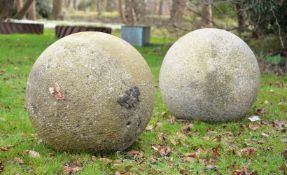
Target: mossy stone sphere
(209,75)
(90,91)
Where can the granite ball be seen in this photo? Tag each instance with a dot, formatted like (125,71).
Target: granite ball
(90,91)
(209,75)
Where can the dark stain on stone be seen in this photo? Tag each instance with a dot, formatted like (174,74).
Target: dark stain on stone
(130,98)
(129,123)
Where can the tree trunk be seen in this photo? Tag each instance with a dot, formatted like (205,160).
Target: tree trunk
(57,9)
(6,10)
(160,9)
(25,8)
(19,5)
(99,6)
(177,11)
(134,11)
(75,4)
(32,11)
(121,11)
(110,5)
(240,18)
(207,14)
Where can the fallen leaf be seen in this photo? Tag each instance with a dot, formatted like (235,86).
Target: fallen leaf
(260,111)
(55,91)
(254,118)
(248,151)
(105,160)
(211,167)
(279,125)
(6,148)
(23,135)
(18,160)
(94,158)
(1,167)
(136,154)
(171,119)
(189,157)
(69,169)
(117,173)
(2,72)
(162,137)
(162,150)
(283,168)
(187,128)
(33,154)
(216,152)
(244,171)
(264,134)
(158,125)
(149,128)
(253,126)
(173,141)
(285,154)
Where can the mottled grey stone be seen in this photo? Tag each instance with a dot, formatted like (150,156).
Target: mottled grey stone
(91,92)
(209,75)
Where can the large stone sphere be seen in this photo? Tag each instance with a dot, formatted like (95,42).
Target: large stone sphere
(90,91)
(209,75)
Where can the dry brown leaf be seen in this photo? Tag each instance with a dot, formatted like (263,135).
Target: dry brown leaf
(253,126)
(279,125)
(94,158)
(136,154)
(105,160)
(216,152)
(285,154)
(23,135)
(260,111)
(162,150)
(171,119)
(55,91)
(1,167)
(6,148)
(149,128)
(244,171)
(158,125)
(187,128)
(181,137)
(117,173)
(162,137)
(18,160)
(248,151)
(189,157)
(173,141)
(69,169)
(33,154)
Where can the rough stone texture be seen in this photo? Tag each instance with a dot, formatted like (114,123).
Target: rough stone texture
(210,75)
(90,91)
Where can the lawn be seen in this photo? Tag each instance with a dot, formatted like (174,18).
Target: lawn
(165,147)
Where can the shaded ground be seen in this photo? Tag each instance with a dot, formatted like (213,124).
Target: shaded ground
(166,147)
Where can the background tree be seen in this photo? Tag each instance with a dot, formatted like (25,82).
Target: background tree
(6,9)
(132,12)
(31,14)
(19,4)
(21,14)
(177,11)
(207,13)
(57,9)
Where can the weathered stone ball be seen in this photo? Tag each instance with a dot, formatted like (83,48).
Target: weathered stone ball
(209,75)
(90,91)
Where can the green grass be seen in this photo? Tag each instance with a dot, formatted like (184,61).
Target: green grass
(214,144)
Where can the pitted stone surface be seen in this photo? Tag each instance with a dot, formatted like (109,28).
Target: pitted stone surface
(210,75)
(90,91)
